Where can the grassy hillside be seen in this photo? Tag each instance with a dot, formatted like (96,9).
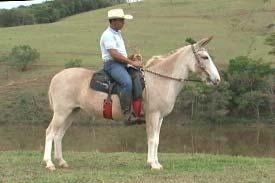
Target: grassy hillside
(239,28)
(131,167)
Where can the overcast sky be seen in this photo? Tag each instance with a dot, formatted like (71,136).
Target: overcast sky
(14,4)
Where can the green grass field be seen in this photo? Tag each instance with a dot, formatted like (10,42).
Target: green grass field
(131,167)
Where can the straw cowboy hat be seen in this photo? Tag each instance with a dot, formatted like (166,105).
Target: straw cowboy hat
(118,13)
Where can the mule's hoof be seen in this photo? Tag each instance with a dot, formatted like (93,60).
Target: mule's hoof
(160,166)
(43,162)
(64,165)
(156,166)
(51,168)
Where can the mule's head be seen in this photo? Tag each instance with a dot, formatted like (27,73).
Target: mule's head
(203,64)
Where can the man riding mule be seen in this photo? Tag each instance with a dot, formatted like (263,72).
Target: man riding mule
(116,62)
(165,76)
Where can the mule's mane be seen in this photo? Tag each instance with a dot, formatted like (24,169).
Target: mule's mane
(157,59)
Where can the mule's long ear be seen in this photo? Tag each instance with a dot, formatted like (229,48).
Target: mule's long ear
(204,41)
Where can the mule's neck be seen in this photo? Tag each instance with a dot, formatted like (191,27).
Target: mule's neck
(176,65)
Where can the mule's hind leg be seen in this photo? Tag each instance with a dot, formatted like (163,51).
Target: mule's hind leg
(48,148)
(59,118)
(58,140)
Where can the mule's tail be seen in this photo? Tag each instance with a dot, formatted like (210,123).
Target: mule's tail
(50,99)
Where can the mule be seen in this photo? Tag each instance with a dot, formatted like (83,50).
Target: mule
(164,76)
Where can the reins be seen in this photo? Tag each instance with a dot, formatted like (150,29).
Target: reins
(169,77)
(179,79)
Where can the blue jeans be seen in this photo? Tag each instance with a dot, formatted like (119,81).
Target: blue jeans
(118,71)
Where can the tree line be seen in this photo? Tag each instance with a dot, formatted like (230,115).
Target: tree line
(50,11)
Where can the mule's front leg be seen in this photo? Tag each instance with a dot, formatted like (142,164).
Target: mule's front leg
(152,123)
(156,150)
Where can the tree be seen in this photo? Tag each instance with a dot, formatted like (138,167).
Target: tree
(200,100)
(250,85)
(212,102)
(253,100)
(22,56)
(50,11)
(245,74)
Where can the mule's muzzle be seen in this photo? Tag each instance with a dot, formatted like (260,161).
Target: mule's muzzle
(216,81)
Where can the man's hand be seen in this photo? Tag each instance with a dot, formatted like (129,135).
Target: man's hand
(117,56)
(136,57)
(136,60)
(137,64)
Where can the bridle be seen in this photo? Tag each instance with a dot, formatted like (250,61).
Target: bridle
(202,67)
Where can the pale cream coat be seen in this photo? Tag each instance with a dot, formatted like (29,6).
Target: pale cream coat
(69,91)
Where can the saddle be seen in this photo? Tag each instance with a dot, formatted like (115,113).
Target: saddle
(103,82)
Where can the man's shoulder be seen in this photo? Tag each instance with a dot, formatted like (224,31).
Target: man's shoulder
(107,33)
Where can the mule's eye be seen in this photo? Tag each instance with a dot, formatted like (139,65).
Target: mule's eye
(204,57)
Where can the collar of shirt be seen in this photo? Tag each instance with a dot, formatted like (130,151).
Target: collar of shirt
(113,31)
